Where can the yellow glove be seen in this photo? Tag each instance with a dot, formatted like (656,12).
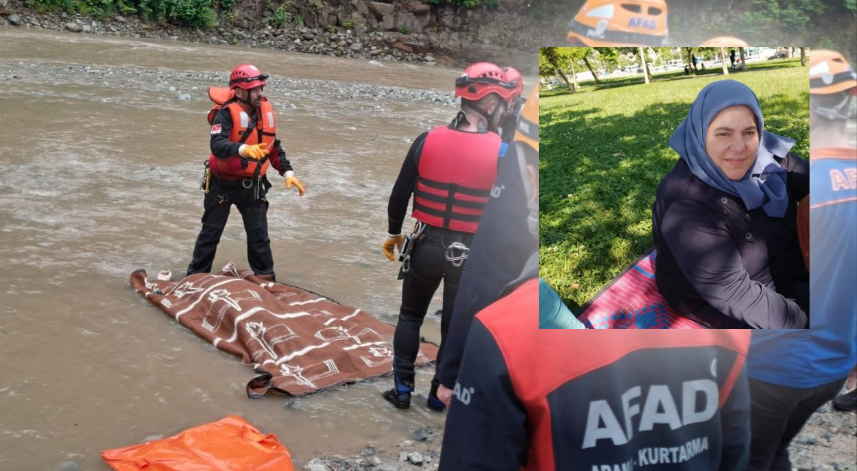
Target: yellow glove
(393,241)
(292,180)
(255,151)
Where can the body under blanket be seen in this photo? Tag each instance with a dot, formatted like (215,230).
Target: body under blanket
(298,342)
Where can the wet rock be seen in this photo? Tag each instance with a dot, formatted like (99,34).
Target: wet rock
(185,97)
(422,434)
(357,47)
(403,456)
(316,464)
(415,458)
(368,451)
(69,466)
(72,27)
(14,20)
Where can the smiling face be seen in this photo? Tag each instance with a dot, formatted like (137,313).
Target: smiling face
(732,140)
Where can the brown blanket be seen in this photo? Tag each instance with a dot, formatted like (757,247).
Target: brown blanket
(297,341)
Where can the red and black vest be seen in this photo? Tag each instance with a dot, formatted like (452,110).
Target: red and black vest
(568,380)
(246,129)
(456,172)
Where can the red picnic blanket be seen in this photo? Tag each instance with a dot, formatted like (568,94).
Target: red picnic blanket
(632,301)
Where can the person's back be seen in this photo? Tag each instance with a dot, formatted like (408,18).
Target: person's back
(793,374)
(601,400)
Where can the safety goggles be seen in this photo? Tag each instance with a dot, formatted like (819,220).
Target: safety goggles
(249,79)
(464,81)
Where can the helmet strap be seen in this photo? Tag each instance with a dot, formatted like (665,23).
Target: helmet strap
(837,112)
(488,124)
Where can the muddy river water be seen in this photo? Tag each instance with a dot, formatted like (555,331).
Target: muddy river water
(100,164)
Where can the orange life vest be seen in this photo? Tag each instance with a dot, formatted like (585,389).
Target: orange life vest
(456,172)
(264,130)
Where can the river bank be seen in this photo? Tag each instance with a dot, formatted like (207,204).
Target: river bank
(305,40)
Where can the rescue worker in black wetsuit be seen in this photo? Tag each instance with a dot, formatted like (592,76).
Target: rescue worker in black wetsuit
(243,143)
(450,171)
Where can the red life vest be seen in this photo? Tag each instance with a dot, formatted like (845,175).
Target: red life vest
(456,172)
(511,322)
(264,130)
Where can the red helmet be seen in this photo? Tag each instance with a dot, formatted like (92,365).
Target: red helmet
(512,75)
(247,76)
(483,78)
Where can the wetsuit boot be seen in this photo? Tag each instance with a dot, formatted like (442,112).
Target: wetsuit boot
(400,395)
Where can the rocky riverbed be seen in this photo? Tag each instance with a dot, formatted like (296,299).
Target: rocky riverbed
(372,45)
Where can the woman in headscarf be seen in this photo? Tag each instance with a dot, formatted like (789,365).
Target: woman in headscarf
(724,220)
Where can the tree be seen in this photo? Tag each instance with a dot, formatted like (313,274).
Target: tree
(608,56)
(580,53)
(707,53)
(645,65)
(723,60)
(638,51)
(573,76)
(559,58)
(664,55)
(586,61)
(546,69)
(743,60)
(803,57)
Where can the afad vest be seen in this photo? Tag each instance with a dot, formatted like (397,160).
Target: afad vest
(456,172)
(561,396)
(246,129)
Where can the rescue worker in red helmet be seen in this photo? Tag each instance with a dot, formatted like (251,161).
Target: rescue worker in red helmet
(243,143)
(515,105)
(552,400)
(450,171)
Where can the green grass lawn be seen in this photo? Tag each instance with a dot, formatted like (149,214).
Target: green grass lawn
(604,152)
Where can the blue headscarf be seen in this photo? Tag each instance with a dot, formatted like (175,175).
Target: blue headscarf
(764,184)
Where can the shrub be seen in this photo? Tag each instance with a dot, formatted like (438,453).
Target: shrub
(280,17)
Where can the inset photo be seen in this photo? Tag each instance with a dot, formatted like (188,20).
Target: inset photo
(670,185)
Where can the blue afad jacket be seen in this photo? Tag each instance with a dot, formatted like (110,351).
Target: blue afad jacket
(497,255)
(535,399)
(828,351)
